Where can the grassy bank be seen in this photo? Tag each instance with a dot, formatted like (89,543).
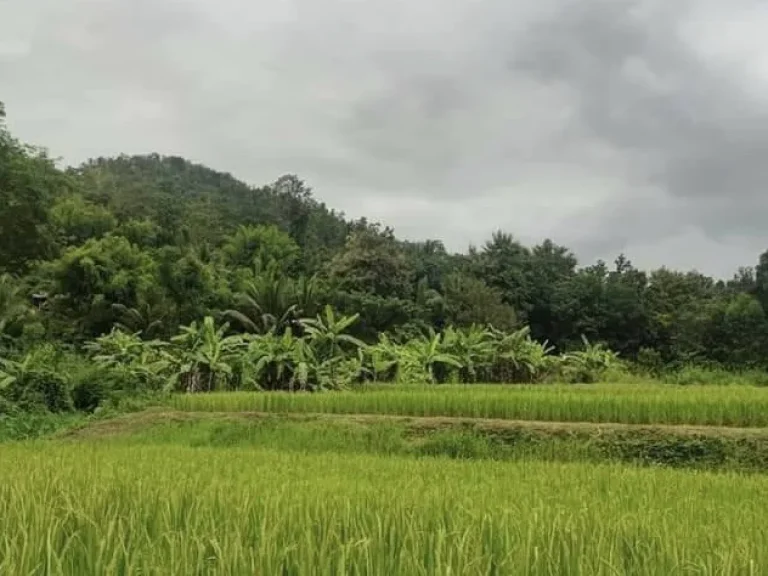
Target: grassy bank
(703,448)
(88,509)
(743,406)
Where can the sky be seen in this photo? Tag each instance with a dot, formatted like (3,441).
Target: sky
(609,126)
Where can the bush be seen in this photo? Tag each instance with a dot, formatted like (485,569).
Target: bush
(693,375)
(89,394)
(40,389)
(595,363)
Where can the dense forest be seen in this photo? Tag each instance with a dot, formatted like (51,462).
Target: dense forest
(153,243)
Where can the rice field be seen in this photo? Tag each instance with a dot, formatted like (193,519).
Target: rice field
(734,406)
(310,487)
(102,508)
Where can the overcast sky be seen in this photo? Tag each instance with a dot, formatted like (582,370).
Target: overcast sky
(608,125)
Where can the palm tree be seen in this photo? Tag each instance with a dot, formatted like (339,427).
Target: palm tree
(144,319)
(273,301)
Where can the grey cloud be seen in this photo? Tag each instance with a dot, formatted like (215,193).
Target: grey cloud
(605,124)
(688,127)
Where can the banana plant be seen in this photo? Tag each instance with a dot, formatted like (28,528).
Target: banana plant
(205,355)
(148,361)
(12,371)
(474,349)
(272,357)
(428,354)
(381,361)
(590,364)
(530,360)
(326,335)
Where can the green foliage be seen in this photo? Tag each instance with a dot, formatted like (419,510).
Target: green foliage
(31,387)
(74,221)
(469,300)
(262,246)
(29,182)
(194,286)
(519,358)
(273,301)
(144,318)
(88,280)
(143,363)
(626,403)
(141,232)
(149,243)
(426,359)
(589,365)
(14,310)
(204,356)
(371,263)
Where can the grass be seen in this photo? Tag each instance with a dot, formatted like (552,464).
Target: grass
(27,426)
(112,509)
(703,448)
(736,406)
(396,480)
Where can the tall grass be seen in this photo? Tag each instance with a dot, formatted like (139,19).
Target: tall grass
(83,510)
(630,404)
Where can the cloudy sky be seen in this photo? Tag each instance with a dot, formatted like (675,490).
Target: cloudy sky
(608,125)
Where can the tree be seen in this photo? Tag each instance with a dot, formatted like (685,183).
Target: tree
(271,301)
(262,246)
(14,309)
(195,285)
(504,264)
(549,266)
(74,220)
(677,306)
(469,300)
(29,182)
(88,280)
(738,332)
(372,263)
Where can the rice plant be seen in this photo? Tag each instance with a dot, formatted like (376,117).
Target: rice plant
(87,510)
(630,403)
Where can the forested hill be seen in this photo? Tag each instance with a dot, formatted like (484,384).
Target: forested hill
(155,242)
(200,205)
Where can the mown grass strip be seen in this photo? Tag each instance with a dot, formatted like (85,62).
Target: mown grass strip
(104,509)
(737,406)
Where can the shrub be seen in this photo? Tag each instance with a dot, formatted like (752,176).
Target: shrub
(592,364)
(40,389)
(88,394)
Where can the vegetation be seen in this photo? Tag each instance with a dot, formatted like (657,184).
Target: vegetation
(173,510)
(147,244)
(265,328)
(707,448)
(624,403)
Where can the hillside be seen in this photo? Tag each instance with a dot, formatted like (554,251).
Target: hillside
(160,241)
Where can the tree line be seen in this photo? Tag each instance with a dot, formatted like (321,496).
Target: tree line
(151,243)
